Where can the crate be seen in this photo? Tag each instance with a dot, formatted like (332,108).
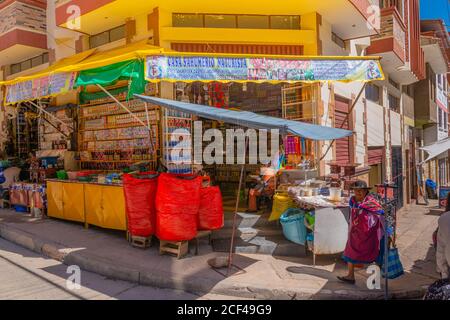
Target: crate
(179,249)
(139,242)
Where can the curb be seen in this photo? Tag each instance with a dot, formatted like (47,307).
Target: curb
(95,264)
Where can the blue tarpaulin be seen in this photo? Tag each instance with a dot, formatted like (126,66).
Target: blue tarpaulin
(252,120)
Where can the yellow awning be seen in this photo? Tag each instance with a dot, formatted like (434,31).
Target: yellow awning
(61,64)
(93,58)
(138,50)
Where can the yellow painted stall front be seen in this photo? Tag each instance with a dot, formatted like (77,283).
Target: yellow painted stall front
(92,204)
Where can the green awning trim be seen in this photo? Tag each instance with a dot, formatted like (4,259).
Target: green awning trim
(132,70)
(86,97)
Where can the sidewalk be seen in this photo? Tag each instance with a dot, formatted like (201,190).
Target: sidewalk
(255,276)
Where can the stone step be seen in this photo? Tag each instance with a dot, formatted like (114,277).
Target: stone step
(270,245)
(250,220)
(246,233)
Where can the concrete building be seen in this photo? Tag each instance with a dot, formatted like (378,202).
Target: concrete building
(431,98)
(383,119)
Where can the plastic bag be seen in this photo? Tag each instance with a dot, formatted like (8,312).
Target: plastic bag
(177,207)
(210,215)
(281,202)
(140,196)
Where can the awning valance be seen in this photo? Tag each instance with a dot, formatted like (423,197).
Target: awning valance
(252,120)
(189,67)
(166,65)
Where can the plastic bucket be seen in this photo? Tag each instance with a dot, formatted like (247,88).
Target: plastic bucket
(294,229)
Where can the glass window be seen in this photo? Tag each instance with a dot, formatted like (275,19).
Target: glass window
(394,103)
(117,33)
(37,61)
(187,20)
(15,68)
(25,65)
(285,22)
(220,21)
(45,57)
(99,39)
(253,22)
(373,93)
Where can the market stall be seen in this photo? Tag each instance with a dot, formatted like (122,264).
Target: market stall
(116,133)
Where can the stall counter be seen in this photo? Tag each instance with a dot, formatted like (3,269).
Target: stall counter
(95,204)
(331,224)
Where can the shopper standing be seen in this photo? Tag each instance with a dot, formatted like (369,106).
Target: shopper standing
(365,231)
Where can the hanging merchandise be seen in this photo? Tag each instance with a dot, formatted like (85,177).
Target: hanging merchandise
(140,195)
(177,207)
(210,215)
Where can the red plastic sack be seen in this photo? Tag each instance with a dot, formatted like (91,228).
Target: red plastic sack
(140,195)
(210,215)
(177,205)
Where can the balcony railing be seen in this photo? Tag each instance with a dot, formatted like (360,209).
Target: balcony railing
(392,26)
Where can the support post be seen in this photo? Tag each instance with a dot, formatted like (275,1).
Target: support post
(386,280)
(233,234)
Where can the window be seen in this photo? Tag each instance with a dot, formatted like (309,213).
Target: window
(28,64)
(107,37)
(373,93)
(394,84)
(285,22)
(336,39)
(220,21)
(253,22)
(183,20)
(394,103)
(192,20)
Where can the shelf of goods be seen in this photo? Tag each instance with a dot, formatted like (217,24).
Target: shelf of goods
(178,142)
(299,103)
(112,139)
(92,204)
(52,139)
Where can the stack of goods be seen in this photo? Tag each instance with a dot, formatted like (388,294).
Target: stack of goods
(112,139)
(177,207)
(140,196)
(210,215)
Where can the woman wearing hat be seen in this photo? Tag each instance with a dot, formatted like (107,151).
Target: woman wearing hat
(365,231)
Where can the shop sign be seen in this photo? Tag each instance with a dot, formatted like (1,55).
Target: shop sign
(197,68)
(47,86)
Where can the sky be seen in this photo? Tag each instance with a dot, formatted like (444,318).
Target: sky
(435,9)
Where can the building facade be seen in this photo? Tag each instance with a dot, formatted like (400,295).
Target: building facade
(385,144)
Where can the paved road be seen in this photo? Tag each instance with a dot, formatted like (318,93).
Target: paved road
(27,276)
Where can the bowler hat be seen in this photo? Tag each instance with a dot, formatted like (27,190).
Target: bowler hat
(360,184)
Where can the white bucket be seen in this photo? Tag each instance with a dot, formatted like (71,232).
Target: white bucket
(335,194)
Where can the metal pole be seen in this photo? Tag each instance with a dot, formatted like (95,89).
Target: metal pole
(346,118)
(230,257)
(149,127)
(123,106)
(386,281)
